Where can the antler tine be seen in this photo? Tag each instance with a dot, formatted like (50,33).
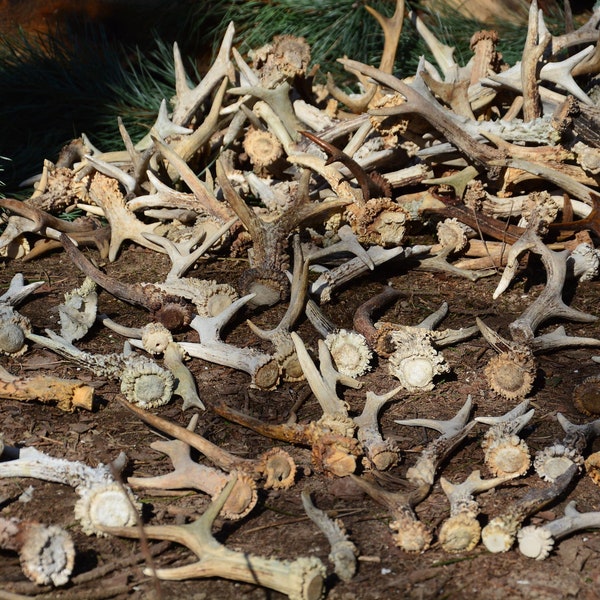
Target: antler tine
(280,335)
(500,533)
(538,542)
(302,578)
(535,45)
(323,383)
(586,34)
(343,551)
(549,303)
(561,73)
(206,199)
(263,368)
(431,111)
(41,220)
(181,254)
(410,534)
(17,290)
(517,411)
(441,52)
(188,100)
(392,30)
(188,145)
(298,297)
(447,428)
(188,474)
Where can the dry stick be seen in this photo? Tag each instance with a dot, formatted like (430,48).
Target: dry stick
(144,544)
(121,563)
(100,594)
(340,514)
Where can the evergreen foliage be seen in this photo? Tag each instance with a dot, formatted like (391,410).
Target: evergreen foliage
(56,87)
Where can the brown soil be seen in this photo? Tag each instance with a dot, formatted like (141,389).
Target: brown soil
(277,526)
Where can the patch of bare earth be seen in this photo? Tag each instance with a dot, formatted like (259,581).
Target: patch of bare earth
(112,567)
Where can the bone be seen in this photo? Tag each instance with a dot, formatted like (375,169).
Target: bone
(162,196)
(276,466)
(188,474)
(500,533)
(18,291)
(343,551)
(558,338)
(68,394)
(538,542)
(139,163)
(348,242)
(356,103)
(302,578)
(505,452)
(560,72)
(334,449)
(172,311)
(535,45)
(461,532)
(453,433)
(174,359)
(554,460)
(102,500)
(46,552)
(592,466)
(585,396)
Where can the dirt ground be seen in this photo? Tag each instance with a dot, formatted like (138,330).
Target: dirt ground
(112,567)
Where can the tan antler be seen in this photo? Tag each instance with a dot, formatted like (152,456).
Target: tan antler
(301,579)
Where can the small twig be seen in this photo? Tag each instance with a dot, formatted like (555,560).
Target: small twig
(102,593)
(340,514)
(120,563)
